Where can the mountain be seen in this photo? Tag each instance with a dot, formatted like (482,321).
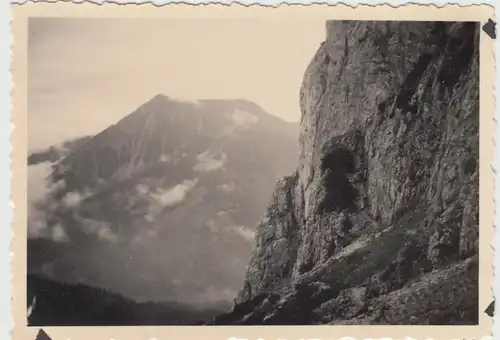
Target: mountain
(62,304)
(162,205)
(379,223)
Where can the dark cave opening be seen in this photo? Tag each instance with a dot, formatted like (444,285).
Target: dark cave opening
(340,193)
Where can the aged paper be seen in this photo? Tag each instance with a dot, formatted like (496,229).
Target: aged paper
(93,78)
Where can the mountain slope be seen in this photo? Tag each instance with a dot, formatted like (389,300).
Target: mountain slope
(163,204)
(379,224)
(61,304)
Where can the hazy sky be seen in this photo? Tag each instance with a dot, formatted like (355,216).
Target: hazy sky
(86,74)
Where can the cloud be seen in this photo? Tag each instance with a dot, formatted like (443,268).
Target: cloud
(38,184)
(227,187)
(39,201)
(142,189)
(212,226)
(163,198)
(207,161)
(150,216)
(244,118)
(219,222)
(175,194)
(101,230)
(223,223)
(73,199)
(41,205)
(186,100)
(165,158)
(245,232)
(58,233)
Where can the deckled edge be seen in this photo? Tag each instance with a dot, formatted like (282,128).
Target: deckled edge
(495,157)
(253,4)
(7,128)
(11,86)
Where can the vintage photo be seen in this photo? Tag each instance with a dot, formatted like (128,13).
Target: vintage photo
(249,171)
(353,198)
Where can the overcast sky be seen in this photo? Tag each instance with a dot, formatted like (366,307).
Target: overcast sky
(86,74)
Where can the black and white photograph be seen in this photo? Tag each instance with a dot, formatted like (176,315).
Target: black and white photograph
(242,171)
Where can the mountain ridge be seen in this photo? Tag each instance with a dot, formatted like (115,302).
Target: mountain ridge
(134,186)
(53,304)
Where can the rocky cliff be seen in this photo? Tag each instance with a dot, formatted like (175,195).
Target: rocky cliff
(379,224)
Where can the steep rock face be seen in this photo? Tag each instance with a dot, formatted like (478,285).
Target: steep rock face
(383,208)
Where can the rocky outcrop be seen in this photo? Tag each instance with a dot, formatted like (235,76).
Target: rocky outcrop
(379,224)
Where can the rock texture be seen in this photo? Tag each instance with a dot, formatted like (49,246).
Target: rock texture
(379,224)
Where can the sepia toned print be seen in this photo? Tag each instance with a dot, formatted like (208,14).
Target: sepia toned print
(195,171)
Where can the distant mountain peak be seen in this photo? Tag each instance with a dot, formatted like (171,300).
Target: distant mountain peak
(155,180)
(159,98)
(157,102)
